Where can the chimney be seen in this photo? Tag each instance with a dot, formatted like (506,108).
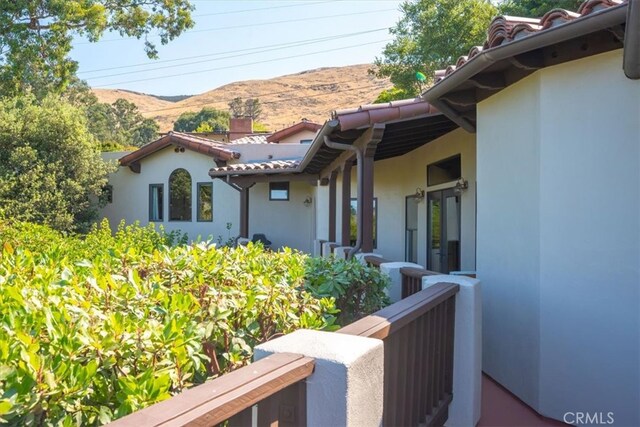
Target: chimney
(240,127)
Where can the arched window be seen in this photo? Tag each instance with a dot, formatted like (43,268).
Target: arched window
(180,195)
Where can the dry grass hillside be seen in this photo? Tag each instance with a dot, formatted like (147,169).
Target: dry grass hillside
(285,100)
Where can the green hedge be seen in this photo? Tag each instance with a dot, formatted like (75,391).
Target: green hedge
(94,327)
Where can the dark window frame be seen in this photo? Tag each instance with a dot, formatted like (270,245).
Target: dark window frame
(457,157)
(352,242)
(190,210)
(161,210)
(199,185)
(306,141)
(287,189)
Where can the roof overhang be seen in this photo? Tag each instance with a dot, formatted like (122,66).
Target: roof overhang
(189,142)
(486,71)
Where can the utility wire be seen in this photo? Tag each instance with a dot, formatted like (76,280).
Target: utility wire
(267,48)
(259,24)
(231,12)
(237,65)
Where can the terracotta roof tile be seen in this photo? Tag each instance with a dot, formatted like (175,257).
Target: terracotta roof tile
(506,29)
(292,130)
(190,142)
(273,166)
(367,115)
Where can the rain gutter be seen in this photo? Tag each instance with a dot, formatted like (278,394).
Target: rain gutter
(631,61)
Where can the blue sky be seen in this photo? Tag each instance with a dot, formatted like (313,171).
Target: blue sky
(243,40)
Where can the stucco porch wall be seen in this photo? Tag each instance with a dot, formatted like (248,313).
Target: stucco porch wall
(559,238)
(285,222)
(398,177)
(131,194)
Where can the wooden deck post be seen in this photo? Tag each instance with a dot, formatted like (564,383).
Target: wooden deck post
(332,205)
(244,212)
(346,203)
(367,203)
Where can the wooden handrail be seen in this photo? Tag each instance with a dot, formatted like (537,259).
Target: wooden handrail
(418,334)
(374,261)
(412,279)
(417,273)
(221,399)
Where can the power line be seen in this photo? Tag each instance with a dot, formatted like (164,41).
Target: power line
(231,12)
(239,65)
(267,48)
(259,24)
(203,104)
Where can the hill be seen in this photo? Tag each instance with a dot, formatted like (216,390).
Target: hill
(285,100)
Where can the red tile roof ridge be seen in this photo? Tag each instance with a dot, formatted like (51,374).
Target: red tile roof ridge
(271,165)
(292,130)
(505,29)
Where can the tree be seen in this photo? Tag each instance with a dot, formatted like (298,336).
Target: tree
(144,132)
(536,8)
(36,35)
(236,108)
(50,170)
(189,121)
(252,108)
(431,35)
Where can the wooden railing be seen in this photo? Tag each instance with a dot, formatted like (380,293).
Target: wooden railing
(276,384)
(418,336)
(374,261)
(412,279)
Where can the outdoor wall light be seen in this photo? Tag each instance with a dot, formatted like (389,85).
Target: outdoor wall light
(419,195)
(307,202)
(461,185)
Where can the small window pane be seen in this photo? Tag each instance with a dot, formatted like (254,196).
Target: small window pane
(155,202)
(306,141)
(353,223)
(205,201)
(278,191)
(180,195)
(444,171)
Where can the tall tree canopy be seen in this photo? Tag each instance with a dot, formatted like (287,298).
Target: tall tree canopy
(36,35)
(432,34)
(206,119)
(50,169)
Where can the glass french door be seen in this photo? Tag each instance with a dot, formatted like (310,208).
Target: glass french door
(411,229)
(443,231)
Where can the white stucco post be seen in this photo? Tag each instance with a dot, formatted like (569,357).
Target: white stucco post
(467,350)
(346,387)
(392,269)
(326,249)
(342,251)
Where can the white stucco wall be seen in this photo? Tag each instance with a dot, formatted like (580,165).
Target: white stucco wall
(396,178)
(296,138)
(265,152)
(131,194)
(559,238)
(284,222)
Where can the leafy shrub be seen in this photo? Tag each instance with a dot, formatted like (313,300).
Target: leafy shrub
(358,290)
(95,327)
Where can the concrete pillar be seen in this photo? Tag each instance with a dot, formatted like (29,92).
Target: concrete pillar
(392,269)
(341,251)
(326,249)
(346,388)
(360,256)
(467,353)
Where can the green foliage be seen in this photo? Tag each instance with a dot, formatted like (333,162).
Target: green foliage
(36,35)
(392,94)
(357,289)
(260,127)
(94,328)
(536,8)
(248,108)
(190,121)
(431,35)
(50,169)
(120,123)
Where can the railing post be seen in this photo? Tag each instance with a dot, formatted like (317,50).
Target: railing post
(467,354)
(346,388)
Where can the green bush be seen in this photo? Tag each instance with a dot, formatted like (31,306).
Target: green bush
(357,289)
(94,327)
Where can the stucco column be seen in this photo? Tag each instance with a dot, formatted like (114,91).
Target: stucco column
(467,350)
(346,387)
(346,203)
(392,269)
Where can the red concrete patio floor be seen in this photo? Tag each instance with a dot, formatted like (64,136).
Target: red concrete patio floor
(500,408)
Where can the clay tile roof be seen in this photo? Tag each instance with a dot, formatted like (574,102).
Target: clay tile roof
(367,115)
(292,130)
(189,142)
(251,139)
(506,29)
(273,166)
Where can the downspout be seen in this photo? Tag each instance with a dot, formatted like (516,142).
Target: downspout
(359,213)
(631,61)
